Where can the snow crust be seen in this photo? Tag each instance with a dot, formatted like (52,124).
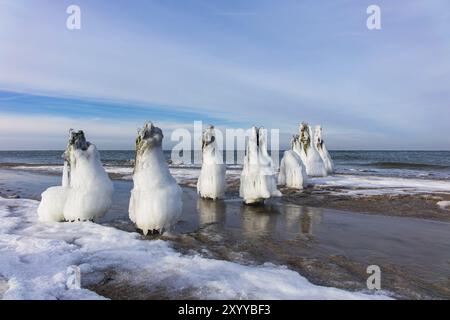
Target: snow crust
(372,185)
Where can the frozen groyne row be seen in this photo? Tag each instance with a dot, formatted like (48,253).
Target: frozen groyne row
(155,201)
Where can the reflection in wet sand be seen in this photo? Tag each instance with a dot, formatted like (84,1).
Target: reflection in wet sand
(273,220)
(258,220)
(302,219)
(278,218)
(211,211)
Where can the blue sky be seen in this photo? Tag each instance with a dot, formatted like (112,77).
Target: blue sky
(231,63)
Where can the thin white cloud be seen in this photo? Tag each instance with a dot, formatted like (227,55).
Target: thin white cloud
(44,132)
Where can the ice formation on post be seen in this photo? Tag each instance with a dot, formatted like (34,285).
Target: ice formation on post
(315,167)
(91,190)
(52,204)
(258,175)
(211,182)
(155,202)
(292,170)
(322,149)
(86,191)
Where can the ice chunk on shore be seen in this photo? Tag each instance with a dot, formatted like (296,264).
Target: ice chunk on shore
(315,167)
(211,182)
(155,202)
(322,149)
(292,171)
(258,180)
(86,191)
(52,204)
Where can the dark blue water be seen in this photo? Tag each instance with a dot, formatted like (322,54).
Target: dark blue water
(416,164)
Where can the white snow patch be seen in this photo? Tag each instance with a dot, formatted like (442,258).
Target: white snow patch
(35,257)
(373,185)
(445,205)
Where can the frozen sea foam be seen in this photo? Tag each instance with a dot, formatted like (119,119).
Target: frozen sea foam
(155,202)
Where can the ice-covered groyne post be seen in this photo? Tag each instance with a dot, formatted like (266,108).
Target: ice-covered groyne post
(258,175)
(211,183)
(322,149)
(315,167)
(86,191)
(292,170)
(155,203)
(91,190)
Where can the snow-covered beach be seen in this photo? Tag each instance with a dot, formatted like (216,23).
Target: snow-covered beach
(37,256)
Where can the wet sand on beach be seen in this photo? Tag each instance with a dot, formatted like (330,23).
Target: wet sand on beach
(421,205)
